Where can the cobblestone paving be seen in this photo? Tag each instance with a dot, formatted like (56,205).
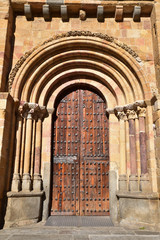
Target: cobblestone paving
(41,232)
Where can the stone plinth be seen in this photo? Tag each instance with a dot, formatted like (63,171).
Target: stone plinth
(138,207)
(23,208)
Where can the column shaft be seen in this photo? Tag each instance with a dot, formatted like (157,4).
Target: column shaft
(18,145)
(37,165)
(122,148)
(142,138)
(132,140)
(137,146)
(28,146)
(127,147)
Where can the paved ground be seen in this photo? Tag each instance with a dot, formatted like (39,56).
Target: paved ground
(41,232)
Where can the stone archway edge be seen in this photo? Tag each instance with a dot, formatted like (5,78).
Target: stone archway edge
(71,34)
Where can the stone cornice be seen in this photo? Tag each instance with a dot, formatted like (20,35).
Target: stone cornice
(70,34)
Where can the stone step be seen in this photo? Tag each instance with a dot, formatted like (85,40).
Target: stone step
(78,237)
(41,232)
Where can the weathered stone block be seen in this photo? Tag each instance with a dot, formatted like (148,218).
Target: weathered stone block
(23,207)
(138,207)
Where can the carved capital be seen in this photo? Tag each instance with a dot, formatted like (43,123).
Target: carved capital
(141,111)
(131,114)
(43,113)
(30,110)
(121,116)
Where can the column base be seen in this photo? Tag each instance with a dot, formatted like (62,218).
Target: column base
(26,182)
(145,185)
(16,183)
(37,183)
(123,185)
(133,183)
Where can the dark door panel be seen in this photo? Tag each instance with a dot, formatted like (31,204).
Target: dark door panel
(81,156)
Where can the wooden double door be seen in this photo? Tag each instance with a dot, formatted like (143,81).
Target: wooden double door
(80,183)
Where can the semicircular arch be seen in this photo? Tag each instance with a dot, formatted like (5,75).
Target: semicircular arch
(79,57)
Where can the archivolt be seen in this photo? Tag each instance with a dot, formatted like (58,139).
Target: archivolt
(79,59)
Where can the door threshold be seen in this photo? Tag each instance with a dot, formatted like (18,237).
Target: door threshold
(79,221)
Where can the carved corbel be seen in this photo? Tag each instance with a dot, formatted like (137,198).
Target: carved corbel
(136,14)
(100,14)
(119,14)
(28,12)
(46,12)
(82,15)
(64,13)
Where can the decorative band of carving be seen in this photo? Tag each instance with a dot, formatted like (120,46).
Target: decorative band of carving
(70,34)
